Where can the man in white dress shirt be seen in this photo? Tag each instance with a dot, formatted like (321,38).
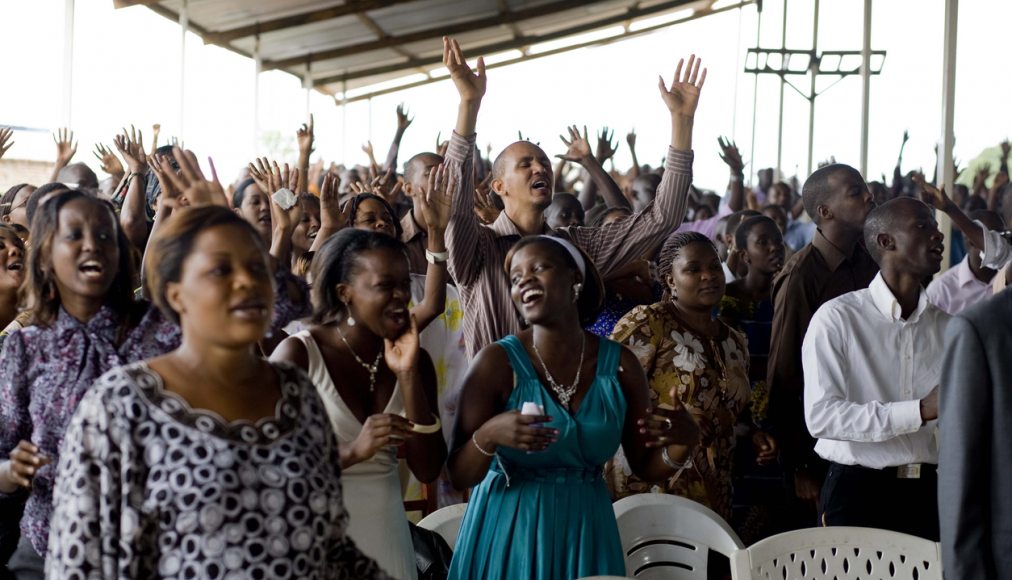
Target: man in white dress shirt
(872,365)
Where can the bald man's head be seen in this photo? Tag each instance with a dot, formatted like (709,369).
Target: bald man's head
(902,234)
(522,174)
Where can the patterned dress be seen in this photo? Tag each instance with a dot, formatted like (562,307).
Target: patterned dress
(710,375)
(150,487)
(44,373)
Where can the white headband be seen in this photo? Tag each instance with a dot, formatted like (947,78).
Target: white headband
(573,252)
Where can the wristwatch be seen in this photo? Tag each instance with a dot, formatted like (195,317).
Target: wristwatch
(436,257)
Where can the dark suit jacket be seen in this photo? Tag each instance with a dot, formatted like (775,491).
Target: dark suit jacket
(975,461)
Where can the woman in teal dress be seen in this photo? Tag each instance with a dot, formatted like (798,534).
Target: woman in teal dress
(541,509)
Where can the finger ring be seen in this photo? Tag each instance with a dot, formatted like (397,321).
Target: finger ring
(668,423)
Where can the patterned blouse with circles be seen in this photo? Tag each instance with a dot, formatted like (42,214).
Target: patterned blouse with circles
(148,486)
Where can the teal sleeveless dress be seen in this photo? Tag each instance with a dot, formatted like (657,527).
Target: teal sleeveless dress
(547,515)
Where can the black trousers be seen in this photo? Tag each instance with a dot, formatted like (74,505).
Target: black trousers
(877,498)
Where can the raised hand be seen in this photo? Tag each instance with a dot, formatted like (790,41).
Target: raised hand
(578,146)
(403,120)
(401,355)
(190,182)
(606,148)
(305,136)
(630,139)
(435,204)
(683,95)
(5,140)
(983,172)
(470,86)
(66,147)
(932,195)
(332,218)
(269,179)
(155,130)
(730,155)
(169,196)
(484,205)
(368,150)
(110,163)
(131,146)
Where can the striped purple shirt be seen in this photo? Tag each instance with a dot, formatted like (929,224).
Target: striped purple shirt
(477,252)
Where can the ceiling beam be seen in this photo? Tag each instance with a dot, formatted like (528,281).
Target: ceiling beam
(348,8)
(500,18)
(505,45)
(128,3)
(380,33)
(628,34)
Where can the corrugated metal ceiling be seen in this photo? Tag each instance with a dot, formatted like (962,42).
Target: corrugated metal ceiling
(353,44)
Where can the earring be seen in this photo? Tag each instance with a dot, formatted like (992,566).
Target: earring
(349,319)
(576,290)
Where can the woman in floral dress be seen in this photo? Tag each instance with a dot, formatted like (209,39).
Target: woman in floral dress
(680,344)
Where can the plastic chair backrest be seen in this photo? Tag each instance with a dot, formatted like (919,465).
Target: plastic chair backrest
(446,522)
(842,553)
(666,536)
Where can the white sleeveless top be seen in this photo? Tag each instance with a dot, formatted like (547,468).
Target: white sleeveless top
(372,488)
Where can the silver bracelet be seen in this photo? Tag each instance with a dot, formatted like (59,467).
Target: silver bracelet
(474,439)
(676,465)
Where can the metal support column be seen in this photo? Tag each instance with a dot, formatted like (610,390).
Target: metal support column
(811,101)
(780,115)
(184,25)
(68,62)
(755,94)
(865,87)
(945,172)
(258,62)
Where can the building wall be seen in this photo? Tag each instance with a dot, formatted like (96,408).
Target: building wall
(14,171)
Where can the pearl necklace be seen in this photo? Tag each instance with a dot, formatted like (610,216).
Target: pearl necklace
(373,368)
(565,393)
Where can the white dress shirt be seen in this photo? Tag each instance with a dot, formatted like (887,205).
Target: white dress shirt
(866,370)
(997,251)
(958,288)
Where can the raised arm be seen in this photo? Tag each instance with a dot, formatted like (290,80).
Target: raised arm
(578,151)
(271,178)
(434,205)
(403,122)
(305,136)
(109,162)
(613,246)
(133,215)
(630,139)
(6,140)
(466,239)
(66,147)
(730,155)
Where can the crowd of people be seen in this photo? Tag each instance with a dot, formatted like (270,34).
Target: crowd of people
(231,382)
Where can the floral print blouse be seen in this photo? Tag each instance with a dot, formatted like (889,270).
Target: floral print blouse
(44,373)
(709,375)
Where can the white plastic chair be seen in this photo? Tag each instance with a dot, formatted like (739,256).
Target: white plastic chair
(839,552)
(666,536)
(446,522)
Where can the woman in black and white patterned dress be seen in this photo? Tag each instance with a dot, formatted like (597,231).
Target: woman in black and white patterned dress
(208,462)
